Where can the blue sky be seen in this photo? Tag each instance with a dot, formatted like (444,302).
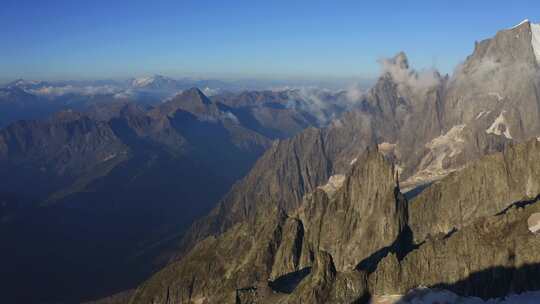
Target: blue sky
(241,39)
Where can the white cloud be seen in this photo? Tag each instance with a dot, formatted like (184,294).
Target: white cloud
(55,91)
(400,72)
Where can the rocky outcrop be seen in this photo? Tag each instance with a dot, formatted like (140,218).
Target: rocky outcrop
(498,78)
(310,256)
(287,259)
(326,285)
(286,171)
(366,215)
(220,269)
(492,257)
(483,188)
(343,247)
(435,125)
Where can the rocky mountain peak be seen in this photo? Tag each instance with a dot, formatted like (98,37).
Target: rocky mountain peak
(194,95)
(153,82)
(347,216)
(401,60)
(365,215)
(519,44)
(371,166)
(191,100)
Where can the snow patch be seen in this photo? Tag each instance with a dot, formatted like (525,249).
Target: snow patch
(109,157)
(499,127)
(449,141)
(441,148)
(429,296)
(532,188)
(534,223)
(334,183)
(144,81)
(210,92)
(356,158)
(519,24)
(482,114)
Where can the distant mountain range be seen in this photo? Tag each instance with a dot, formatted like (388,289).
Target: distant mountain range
(22,99)
(141,172)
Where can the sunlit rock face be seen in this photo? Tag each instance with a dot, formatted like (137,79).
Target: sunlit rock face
(534,223)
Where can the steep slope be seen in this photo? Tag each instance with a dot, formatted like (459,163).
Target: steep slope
(365,215)
(428,124)
(351,240)
(121,177)
(483,188)
(501,77)
(492,257)
(287,171)
(60,150)
(310,255)
(491,100)
(298,165)
(475,231)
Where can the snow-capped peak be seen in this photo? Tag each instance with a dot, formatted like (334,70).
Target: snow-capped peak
(519,24)
(155,80)
(23,83)
(142,81)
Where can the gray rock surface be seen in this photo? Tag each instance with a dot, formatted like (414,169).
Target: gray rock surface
(483,188)
(310,256)
(434,124)
(492,257)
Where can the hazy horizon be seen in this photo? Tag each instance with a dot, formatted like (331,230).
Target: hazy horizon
(241,39)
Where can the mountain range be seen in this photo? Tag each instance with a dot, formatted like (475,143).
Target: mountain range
(151,191)
(322,217)
(141,171)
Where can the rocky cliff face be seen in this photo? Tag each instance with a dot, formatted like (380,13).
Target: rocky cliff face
(57,152)
(498,80)
(364,216)
(475,231)
(483,188)
(491,257)
(429,125)
(216,268)
(310,255)
(348,242)
(346,213)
